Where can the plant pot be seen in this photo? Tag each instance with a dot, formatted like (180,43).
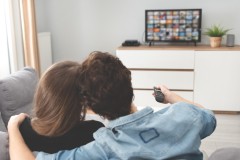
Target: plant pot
(215,41)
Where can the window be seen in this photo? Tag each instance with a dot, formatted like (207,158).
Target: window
(14,45)
(4,54)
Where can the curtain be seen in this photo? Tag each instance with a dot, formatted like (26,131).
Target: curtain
(30,42)
(4,54)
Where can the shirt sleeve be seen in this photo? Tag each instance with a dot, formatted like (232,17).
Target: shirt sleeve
(205,118)
(89,151)
(209,123)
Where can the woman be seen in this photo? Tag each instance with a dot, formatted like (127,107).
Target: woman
(58,116)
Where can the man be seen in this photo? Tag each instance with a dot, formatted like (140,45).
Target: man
(172,133)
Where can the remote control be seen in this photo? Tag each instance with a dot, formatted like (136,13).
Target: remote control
(159,96)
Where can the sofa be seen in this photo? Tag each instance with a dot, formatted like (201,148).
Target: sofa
(16,96)
(227,153)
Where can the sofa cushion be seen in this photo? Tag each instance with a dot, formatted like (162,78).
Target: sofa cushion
(227,153)
(4,153)
(2,126)
(16,93)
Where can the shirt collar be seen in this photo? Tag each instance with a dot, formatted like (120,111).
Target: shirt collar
(130,118)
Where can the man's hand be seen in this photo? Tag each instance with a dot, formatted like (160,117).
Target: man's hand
(172,97)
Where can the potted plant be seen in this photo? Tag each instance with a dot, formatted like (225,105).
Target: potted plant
(216,32)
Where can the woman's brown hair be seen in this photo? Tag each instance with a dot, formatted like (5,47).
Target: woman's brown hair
(57,102)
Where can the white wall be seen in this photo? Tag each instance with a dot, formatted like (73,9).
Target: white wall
(81,26)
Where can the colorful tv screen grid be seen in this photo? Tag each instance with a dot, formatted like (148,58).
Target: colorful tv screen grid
(173,25)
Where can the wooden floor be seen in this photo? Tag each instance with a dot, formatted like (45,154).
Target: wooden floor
(227,134)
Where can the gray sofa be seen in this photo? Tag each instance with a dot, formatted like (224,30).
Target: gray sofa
(16,96)
(228,153)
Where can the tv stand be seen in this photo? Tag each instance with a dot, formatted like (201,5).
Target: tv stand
(150,43)
(195,44)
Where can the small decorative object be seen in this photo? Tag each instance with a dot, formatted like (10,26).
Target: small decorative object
(216,32)
(230,40)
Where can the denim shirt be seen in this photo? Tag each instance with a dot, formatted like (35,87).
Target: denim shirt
(171,133)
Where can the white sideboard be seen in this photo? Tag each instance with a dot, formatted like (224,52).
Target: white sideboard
(209,76)
(217,79)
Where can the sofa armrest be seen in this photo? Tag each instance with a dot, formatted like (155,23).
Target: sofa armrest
(16,93)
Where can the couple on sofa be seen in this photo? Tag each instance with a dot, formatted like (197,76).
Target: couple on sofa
(102,84)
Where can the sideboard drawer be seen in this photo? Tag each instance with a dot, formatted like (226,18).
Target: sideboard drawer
(154,59)
(176,80)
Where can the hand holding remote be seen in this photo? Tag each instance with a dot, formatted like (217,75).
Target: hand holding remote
(169,96)
(159,96)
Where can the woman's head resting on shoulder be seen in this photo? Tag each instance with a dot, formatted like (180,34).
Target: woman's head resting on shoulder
(57,102)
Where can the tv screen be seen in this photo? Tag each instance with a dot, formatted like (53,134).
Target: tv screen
(173,25)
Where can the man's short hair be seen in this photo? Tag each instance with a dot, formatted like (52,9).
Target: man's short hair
(106,85)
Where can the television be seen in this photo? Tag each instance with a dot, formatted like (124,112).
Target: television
(173,25)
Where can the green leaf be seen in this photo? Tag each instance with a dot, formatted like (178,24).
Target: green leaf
(216,31)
